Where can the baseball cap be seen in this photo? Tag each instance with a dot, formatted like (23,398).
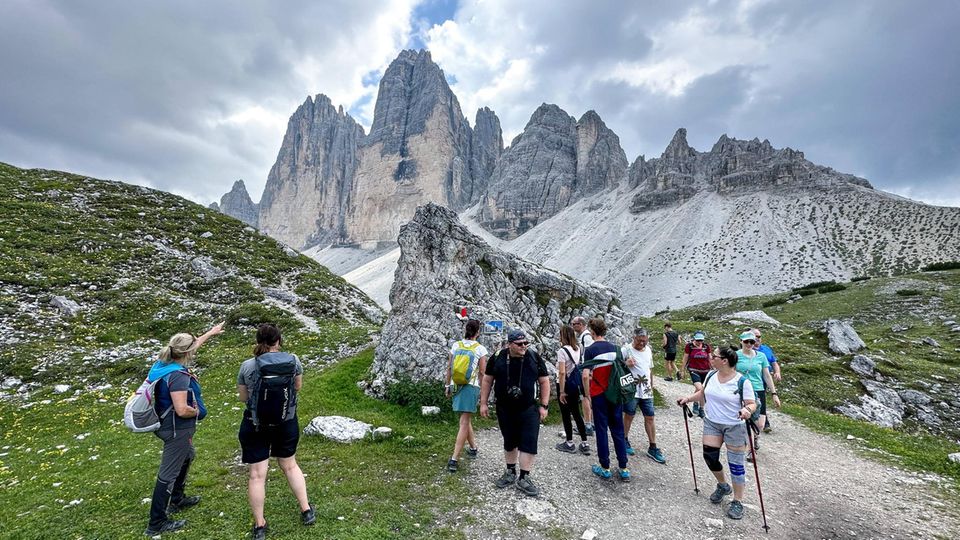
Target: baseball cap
(748,336)
(517,335)
(699,335)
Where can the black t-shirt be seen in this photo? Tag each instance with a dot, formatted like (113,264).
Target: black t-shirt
(523,372)
(672,338)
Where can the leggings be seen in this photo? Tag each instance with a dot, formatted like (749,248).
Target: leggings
(572,408)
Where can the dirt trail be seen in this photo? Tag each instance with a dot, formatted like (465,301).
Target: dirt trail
(814,487)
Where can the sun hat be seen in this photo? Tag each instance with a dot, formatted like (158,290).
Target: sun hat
(748,336)
(699,335)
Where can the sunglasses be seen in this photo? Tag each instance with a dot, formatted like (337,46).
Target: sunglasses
(750,341)
(521,343)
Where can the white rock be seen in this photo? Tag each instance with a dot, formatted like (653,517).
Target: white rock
(713,523)
(428,410)
(382,432)
(10,382)
(954,457)
(850,437)
(206,234)
(61,388)
(535,510)
(66,306)
(843,339)
(338,428)
(588,534)
(756,316)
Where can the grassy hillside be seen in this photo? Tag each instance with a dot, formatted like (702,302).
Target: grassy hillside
(893,316)
(128,256)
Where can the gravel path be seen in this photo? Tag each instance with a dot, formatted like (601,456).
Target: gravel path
(814,486)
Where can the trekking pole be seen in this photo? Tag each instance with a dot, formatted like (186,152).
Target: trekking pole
(686,413)
(751,429)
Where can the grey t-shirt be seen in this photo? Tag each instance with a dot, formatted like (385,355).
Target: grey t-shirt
(179,381)
(248,375)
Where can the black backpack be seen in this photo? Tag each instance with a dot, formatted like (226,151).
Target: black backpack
(274,394)
(574,381)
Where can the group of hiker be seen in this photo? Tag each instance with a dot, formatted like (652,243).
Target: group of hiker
(731,387)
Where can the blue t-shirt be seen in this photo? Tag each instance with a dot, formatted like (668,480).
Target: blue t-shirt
(766,350)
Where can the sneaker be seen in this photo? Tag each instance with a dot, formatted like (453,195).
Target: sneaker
(722,491)
(182,504)
(167,526)
(750,458)
(259,533)
(696,409)
(631,451)
(700,413)
(656,455)
(589,430)
(735,511)
(527,487)
(567,447)
(601,472)
(308,516)
(472,452)
(624,475)
(585,448)
(679,376)
(767,428)
(756,442)
(668,379)
(452,465)
(508,478)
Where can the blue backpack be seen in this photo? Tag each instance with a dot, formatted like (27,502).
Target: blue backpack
(574,381)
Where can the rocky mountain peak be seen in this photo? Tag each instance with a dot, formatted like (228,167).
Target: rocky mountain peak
(678,149)
(237,203)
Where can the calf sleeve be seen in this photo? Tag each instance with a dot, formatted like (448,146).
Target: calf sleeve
(735,461)
(711,454)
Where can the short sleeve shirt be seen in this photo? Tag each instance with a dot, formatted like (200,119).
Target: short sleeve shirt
(248,375)
(569,358)
(523,372)
(643,363)
(600,374)
(723,399)
(765,349)
(752,368)
(481,351)
(177,381)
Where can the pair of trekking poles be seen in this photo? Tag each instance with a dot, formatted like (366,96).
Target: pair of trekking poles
(752,429)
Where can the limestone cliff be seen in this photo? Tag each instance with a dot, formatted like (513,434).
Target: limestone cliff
(443,266)
(237,203)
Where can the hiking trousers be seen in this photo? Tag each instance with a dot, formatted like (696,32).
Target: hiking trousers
(570,412)
(606,414)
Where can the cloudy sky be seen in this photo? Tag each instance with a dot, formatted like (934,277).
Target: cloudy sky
(189,96)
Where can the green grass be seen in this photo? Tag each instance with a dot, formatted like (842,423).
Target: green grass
(380,489)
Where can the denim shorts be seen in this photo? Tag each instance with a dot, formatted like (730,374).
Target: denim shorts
(697,376)
(732,434)
(645,406)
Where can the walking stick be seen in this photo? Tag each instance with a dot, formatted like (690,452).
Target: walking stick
(686,413)
(751,429)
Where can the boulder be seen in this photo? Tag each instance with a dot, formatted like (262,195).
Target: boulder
(207,234)
(10,382)
(755,316)
(589,534)
(67,307)
(930,341)
(871,410)
(843,338)
(954,457)
(884,394)
(61,388)
(382,432)
(863,366)
(915,397)
(898,328)
(205,268)
(429,410)
(338,428)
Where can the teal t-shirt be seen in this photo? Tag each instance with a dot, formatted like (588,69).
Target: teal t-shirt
(752,368)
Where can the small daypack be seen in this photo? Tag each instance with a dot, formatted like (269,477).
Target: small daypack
(274,394)
(140,413)
(622,385)
(574,380)
(464,362)
(756,412)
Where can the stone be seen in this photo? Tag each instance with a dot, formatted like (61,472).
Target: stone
(795,297)
(206,234)
(382,432)
(290,252)
(534,509)
(237,203)
(898,328)
(928,418)
(949,322)
(589,534)
(204,267)
(10,382)
(429,410)
(843,339)
(930,341)
(954,457)
(67,307)
(442,267)
(871,410)
(61,388)
(915,397)
(338,428)
(713,523)
(755,316)
(283,295)
(884,394)
(863,366)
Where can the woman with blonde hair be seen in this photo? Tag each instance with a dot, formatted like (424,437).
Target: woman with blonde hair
(178,392)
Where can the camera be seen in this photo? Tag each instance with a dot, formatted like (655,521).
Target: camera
(514,392)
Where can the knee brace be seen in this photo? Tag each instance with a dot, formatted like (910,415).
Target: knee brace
(711,454)
(735,460)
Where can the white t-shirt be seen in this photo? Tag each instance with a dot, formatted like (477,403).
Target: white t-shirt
(585,339)
(570,360)
(643,363)
(723,401)
(481,352)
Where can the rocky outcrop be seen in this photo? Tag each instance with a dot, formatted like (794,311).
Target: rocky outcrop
(553,163)
(842,338)
(309,186)
(730,167)
(442,267)
(237,203)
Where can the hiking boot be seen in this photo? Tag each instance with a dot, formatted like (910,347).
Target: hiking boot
(756,442)
(696,410)
(624,475)
(601,472)
(182,504)
(735,511)
(169,525)
(585,448)
(508,478)
(472,452)
(567,447)
(722,491)
(679,376)
(259,533)
(527,487)
(656,455)
(750,458)
(589,429)
(308,516)
(767,428)
(668,379)
(452,466)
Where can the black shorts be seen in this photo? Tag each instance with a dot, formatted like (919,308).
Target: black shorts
(278,441)
(520,428)
(697,376)
(671,356)
(761,401)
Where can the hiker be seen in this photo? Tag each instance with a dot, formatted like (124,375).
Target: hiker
(726,409)
(639,358)
(570,390)
(584,340)
(178,392)
(600,357)
(696,362)
(774,370)
(754,365)
(515,374)
(268,383)
(467,359)
(670,341)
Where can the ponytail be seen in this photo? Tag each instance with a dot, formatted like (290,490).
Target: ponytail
(181,347)
(268,335)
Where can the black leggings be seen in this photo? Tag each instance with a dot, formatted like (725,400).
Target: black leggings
(572,408)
